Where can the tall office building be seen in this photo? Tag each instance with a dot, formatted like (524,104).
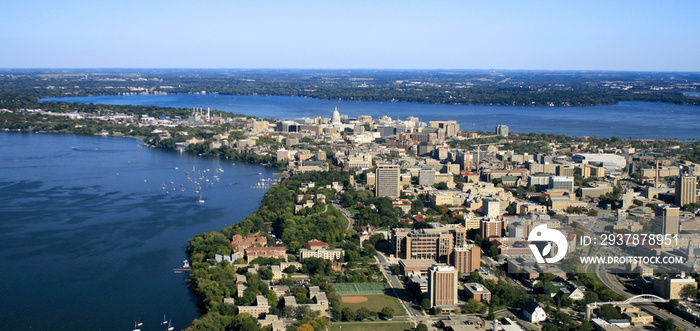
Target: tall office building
(667,219)
(388,177)
(466,258)
(442,286)
(686,188)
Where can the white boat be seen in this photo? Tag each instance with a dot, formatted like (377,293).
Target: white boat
(170,328)
(200,199)
(165,320)
(136,326)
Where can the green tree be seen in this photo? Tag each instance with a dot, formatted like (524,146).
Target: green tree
(608,312)
(667,325)
(387,312)
(425,304)
(472,306)
(363,313)
(265,273)
(688,290)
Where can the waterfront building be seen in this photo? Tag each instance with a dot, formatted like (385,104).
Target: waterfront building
(502,130)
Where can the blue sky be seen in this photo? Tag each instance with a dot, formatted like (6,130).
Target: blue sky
(492,34)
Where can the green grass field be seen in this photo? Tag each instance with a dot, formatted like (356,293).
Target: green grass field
(375,303)
(359,288)
(369,326)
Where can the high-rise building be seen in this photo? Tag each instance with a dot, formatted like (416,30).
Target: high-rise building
(686,188)
(502,130)
(442,286)
(667,219)
(491,228)
(388,177)
(466,258)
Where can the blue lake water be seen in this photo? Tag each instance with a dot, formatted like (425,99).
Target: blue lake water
(89,237)
(641,120)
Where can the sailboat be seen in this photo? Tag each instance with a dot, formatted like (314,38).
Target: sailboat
(200,198)
(165,320)
(136,326)
(170,328)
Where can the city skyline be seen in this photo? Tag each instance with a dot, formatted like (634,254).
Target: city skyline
(540,35)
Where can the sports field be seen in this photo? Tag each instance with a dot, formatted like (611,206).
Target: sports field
(370,326)
(373,302)
(359,288)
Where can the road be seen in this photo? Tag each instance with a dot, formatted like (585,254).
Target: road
(611,281)
(351,218)
(415,315)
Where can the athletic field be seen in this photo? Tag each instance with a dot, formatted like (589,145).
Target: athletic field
(359,288)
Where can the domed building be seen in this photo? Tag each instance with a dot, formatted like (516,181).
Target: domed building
(336,117)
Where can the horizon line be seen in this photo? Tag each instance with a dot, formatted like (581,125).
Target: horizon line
(353,69)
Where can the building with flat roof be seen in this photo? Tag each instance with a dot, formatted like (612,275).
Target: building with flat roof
(388,177)
(491,227)
(502,130)
(450,127)
(416,267)
(428,243)
(666,219)
(326,254)
(477,292)
(442,286)
(561,183)
(670,287)
(466,258)
(610,161)
(686,190)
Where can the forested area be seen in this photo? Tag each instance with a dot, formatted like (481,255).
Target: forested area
(23,88)
(211,281)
